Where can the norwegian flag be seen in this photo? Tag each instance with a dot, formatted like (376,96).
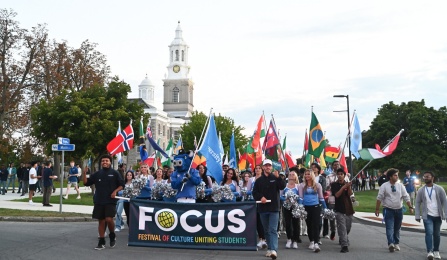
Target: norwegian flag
(122,142)
(271,138)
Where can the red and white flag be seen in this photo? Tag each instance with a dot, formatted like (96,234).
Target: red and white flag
(122,142)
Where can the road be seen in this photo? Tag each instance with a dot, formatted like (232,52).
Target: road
(76,240)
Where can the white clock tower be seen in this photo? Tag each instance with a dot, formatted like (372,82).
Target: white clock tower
(178,87)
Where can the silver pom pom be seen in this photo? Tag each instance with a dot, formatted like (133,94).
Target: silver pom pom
(291,201)
(200,190)
(299,212)
(328,214)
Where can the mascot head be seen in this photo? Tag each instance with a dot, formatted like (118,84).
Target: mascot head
(182,161)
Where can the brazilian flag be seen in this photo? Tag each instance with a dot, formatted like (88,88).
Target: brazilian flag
(317,142)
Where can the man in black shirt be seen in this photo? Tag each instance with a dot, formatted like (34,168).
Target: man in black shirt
(107,182)
(382,178)
(343,208)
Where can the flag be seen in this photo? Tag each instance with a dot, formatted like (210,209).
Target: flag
(121,142)
(166,161)
(233,161)
(284,143)
(152,142)
(179,145)
(331,153)
(322,161)
(371,153)
(257,135)
(271,138)
(118,155)
(342,160)
(306,142)
(211,151)
(242,165)
(198,160)
(221,148)
(356,138)
(290,161)
(150,160)
(316,137)
(142,148)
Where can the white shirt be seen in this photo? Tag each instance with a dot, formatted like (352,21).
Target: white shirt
(432,204)
(32,171)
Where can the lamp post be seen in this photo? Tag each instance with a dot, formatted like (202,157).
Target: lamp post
(349,130)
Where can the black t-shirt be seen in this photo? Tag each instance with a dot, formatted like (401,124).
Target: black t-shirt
(106,181)
(382,180)
(342,203)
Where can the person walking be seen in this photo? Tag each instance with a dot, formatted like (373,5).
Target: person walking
(47,182)
(267,187)
(292,224)
(409,185)
(12,173)
(391,194)
(431,206)
(107,182)
(343,208)
(72,180)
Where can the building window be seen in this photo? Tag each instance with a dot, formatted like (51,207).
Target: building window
(183,55)
(176,55)
(172,55)
(164,130)
(159,129)
(175,97)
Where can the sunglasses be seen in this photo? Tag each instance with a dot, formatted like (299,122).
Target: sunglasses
(393,188)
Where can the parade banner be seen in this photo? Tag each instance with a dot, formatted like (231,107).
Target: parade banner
(230,226)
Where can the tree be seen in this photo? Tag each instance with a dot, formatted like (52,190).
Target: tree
(423,144)
(224,125)
(88,117)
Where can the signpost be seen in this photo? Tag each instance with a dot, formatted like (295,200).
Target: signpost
(62,146)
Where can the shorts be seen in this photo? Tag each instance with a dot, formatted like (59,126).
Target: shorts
(104,211)
(32,187)
(72,183)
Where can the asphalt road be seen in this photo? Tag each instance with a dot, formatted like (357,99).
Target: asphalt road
(76,240)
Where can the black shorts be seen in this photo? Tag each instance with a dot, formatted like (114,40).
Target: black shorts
(32,187)
(104,211)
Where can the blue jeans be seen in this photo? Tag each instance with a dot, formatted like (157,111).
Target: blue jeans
(3,185)
(432,233)
(270,223)
(119,214)
(12,180)
(393,222)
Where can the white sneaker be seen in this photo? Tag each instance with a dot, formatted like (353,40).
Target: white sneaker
(430,255)
(295,245)
(289,243)
(437,255)
(78,197)
(311,245)
(269,253)
(123,227)
(259,243)
(391,247)
(31,203)
(396,247)
(326,236)
(65,197)
(320,243)
(273,255)
(117,230)
(264,244)
(316,248)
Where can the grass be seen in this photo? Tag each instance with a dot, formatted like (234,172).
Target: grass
(367,199)
(38,213)
(86,199)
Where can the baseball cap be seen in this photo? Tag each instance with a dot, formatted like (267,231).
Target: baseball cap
(267,161)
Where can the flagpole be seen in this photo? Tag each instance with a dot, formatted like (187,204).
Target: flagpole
(280,148)
(382,149)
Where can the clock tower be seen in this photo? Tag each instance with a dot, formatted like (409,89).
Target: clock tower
(178,87)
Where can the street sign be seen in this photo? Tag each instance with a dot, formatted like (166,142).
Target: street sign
(62,140)
(63,147)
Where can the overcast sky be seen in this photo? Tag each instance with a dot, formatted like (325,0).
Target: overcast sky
(280,57)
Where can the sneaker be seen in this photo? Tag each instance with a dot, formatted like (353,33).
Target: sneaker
(295,245)
(78,197)
(101,244)
(311,245)
(112,237)
(391,247)
(344,249)
(396,247)
(320,243)
(65,197)
(117,230)
(259,243)
(47,205)
(31,203)
(273,255)
(269,253)
(316,248)
(332,235)
(326,236)
(430,255)
(289,243)
(437,255)
(123,227)
(264,244)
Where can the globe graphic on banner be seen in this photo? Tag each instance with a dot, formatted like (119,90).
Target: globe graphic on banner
(166,219)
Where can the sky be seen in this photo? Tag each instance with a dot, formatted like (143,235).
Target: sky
(281,58)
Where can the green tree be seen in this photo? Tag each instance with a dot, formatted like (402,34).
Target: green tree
(224,125)
(423,144)
(88,117)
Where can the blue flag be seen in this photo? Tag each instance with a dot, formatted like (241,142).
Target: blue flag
(153,143)
(356,138)
(232,162)
(211,151)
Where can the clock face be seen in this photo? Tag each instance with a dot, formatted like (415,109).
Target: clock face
(176,68)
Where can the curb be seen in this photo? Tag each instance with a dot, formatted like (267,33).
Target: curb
(46,219)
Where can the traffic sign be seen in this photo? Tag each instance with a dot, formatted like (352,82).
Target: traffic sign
(63,147)
(62,140)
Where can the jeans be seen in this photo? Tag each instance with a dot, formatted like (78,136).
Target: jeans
(3,185)
(432,233)
(270,223)
(119,214)
(12,180)
(393,222)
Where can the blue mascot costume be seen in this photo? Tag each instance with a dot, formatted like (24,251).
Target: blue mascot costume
(183,181)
